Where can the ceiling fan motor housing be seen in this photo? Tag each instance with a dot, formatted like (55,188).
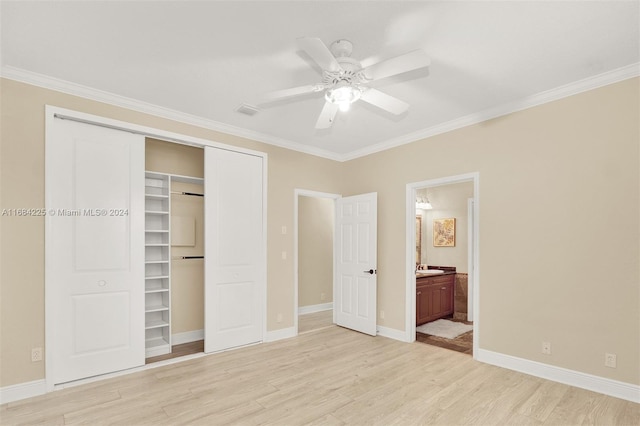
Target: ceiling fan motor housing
(341,48)
(349,74)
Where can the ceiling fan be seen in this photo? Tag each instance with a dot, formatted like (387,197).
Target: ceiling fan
(344,81)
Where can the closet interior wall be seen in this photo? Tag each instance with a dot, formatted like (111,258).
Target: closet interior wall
(187,234)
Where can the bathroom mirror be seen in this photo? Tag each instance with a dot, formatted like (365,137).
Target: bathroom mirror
(418,239)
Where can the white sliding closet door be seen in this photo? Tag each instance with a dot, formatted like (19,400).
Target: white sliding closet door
(94,258)
(234,249)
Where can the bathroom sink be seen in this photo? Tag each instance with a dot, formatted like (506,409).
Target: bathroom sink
(429,272)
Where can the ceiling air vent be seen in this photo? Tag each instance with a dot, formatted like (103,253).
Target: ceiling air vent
(247,109)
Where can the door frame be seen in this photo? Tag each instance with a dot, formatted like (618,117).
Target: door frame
(297,192)
(53,113)
(410,210)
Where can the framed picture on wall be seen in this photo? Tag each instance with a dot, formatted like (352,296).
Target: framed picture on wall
(444,232)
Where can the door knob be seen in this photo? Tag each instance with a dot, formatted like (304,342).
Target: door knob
(370,271)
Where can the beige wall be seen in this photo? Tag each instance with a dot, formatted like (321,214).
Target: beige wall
(22,239)
(554,265)
(172,158)
(447,201)
(315,250)
(559,226)
(187,275)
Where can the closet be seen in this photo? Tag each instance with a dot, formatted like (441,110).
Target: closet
(174,246)
(126,255)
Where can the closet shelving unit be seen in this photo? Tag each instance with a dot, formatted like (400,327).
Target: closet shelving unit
(157,264)
(158,259)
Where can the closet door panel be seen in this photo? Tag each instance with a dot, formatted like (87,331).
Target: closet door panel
(94,257)
(234,258)
(96,191)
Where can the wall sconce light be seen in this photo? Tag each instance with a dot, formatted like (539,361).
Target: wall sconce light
(423,203)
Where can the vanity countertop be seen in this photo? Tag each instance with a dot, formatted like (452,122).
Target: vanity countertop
(421,274)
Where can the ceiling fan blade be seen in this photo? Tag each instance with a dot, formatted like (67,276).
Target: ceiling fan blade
(408,62)
(288,93)
(319,52)
(384,101)
(325,120)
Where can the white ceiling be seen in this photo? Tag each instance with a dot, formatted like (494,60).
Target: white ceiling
(198,61)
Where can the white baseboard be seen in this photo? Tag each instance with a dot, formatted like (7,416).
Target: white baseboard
(392,333)
(187,337)
(622,390)
(283,333)
(22,391)
(315,308)
(617,389)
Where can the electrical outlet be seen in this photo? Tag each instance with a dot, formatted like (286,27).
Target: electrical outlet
(36,354)
(284,255)
(279,318)
(381,314)
(284,230)
(610,360)
(323,296)
(546,348)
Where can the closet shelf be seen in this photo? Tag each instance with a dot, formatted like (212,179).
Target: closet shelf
(156,308)
(151,262)
(156,341)
(156,324)
(156,196)
(156,245)
(149,231)
(156,212)
(156,290)
(155,277)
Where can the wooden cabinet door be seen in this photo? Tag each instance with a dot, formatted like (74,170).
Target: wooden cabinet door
(435,295)
(446,298)
(422,305)
(434,298)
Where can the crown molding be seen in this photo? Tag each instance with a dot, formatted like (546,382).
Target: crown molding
(86,92)
(59,85)
(557,93)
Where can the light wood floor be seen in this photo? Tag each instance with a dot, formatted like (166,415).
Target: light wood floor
(332,376)
(315,321)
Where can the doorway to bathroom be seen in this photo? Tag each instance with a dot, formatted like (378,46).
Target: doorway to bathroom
(314,260)
(442,262)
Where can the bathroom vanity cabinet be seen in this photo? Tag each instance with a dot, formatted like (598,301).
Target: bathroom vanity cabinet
(434,297)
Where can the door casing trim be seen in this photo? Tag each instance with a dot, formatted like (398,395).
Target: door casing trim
(410,209)
(297,192)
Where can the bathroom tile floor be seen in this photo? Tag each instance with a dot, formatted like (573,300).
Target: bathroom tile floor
(462,343)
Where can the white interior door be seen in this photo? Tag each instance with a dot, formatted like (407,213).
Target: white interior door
(235,278)
(94,257)
(355,295)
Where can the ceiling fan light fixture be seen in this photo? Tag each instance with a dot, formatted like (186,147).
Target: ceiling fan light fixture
(343,95)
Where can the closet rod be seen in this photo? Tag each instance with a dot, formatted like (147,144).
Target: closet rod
(124,129)
(188,257)
(187,193)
